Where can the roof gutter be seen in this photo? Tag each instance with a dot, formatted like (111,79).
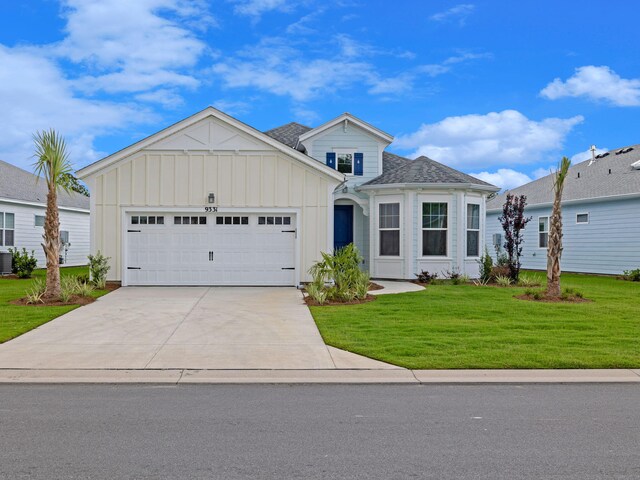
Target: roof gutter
(606,198)
(431,186)
(43,205)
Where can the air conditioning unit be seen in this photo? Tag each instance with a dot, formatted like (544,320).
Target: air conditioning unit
(5,263)
(497,239)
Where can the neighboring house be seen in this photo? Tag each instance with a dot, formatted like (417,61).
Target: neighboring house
(600,212)
(212,201)
(23,200)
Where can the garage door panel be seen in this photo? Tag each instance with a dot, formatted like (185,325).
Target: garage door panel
(246,253)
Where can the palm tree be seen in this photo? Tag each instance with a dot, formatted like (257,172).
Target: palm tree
(52,163)
(554,249)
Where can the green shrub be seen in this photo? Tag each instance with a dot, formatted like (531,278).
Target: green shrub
(453,275)
(503,280)
(36,291)
(529,281)
(464,278)
(426,277)
(537,295)
(341,270)
(98,269)
(499,271)
(74,285)
(632,275)
(486,264)
(22,262)
(317,292)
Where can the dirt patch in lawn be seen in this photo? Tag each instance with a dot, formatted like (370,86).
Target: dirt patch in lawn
(331,303)
(544,299)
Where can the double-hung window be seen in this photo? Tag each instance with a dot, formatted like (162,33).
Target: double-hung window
(39,221)
(434,229)
(7,229)
(389,225)
(344,162)
(543,232)
(473,230)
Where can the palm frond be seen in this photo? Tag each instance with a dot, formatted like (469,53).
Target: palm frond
(52,159)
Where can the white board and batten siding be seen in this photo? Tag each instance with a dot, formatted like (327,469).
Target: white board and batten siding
(606,244)
(28,235)
(249,178)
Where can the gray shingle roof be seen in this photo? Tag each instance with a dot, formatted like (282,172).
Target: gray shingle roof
(18,184)
(594,181)
(288,134)
(395,169)
(391,161)
(424,170)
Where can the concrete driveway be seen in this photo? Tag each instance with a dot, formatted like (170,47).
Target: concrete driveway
(182,328)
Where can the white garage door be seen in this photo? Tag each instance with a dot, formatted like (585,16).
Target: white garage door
(214,249)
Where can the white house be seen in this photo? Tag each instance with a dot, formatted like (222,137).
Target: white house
(600,210)
(22,208)
(213,201)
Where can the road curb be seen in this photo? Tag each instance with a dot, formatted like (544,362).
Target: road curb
(333,376)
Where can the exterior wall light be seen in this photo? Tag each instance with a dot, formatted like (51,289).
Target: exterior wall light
(212,198)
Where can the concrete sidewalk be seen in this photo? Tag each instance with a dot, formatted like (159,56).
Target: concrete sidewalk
(329,376)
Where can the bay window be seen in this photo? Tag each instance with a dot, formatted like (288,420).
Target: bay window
(473,230)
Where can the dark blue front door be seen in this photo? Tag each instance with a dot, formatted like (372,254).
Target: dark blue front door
(342,225)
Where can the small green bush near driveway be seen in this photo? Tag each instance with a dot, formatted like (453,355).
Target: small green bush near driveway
(18,319)
(468,326)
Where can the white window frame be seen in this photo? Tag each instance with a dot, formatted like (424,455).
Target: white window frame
(538,232)
(35,220)
(346,151)
(467,229)
(3,229)
(390,201)
(422,229)
(583,223)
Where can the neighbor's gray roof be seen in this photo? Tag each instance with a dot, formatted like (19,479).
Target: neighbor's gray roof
(594,181)
(395,169)
(18,184)
(288,134)
(424,170)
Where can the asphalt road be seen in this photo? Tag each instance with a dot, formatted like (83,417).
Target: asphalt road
(284,432)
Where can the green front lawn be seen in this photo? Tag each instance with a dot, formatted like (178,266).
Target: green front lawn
(465,326)
(15,319)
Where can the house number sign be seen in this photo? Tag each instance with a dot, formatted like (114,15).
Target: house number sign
(210,209)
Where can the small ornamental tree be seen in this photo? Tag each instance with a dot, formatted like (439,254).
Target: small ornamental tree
(513,222)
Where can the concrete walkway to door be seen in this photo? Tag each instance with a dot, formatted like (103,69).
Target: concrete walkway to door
(183,328)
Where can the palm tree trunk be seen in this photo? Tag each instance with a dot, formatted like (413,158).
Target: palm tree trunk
(554,250)
(51,246)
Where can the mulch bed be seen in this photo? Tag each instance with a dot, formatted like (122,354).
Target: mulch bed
(543,299)
(74,300)
(330,303)
(375,286)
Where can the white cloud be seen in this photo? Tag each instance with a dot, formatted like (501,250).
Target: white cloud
(586,155)
(596,83)
(542,172)
(505,178)
(459,12)
(163,96)
(256,8)
(35,95)
(276,66)
(435,69)
(132,46)
(232,107)
(495,139)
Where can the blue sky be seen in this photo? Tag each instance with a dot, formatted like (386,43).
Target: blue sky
(500,89)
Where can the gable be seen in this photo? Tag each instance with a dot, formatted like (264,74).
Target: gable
(206,131)
(209,134)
